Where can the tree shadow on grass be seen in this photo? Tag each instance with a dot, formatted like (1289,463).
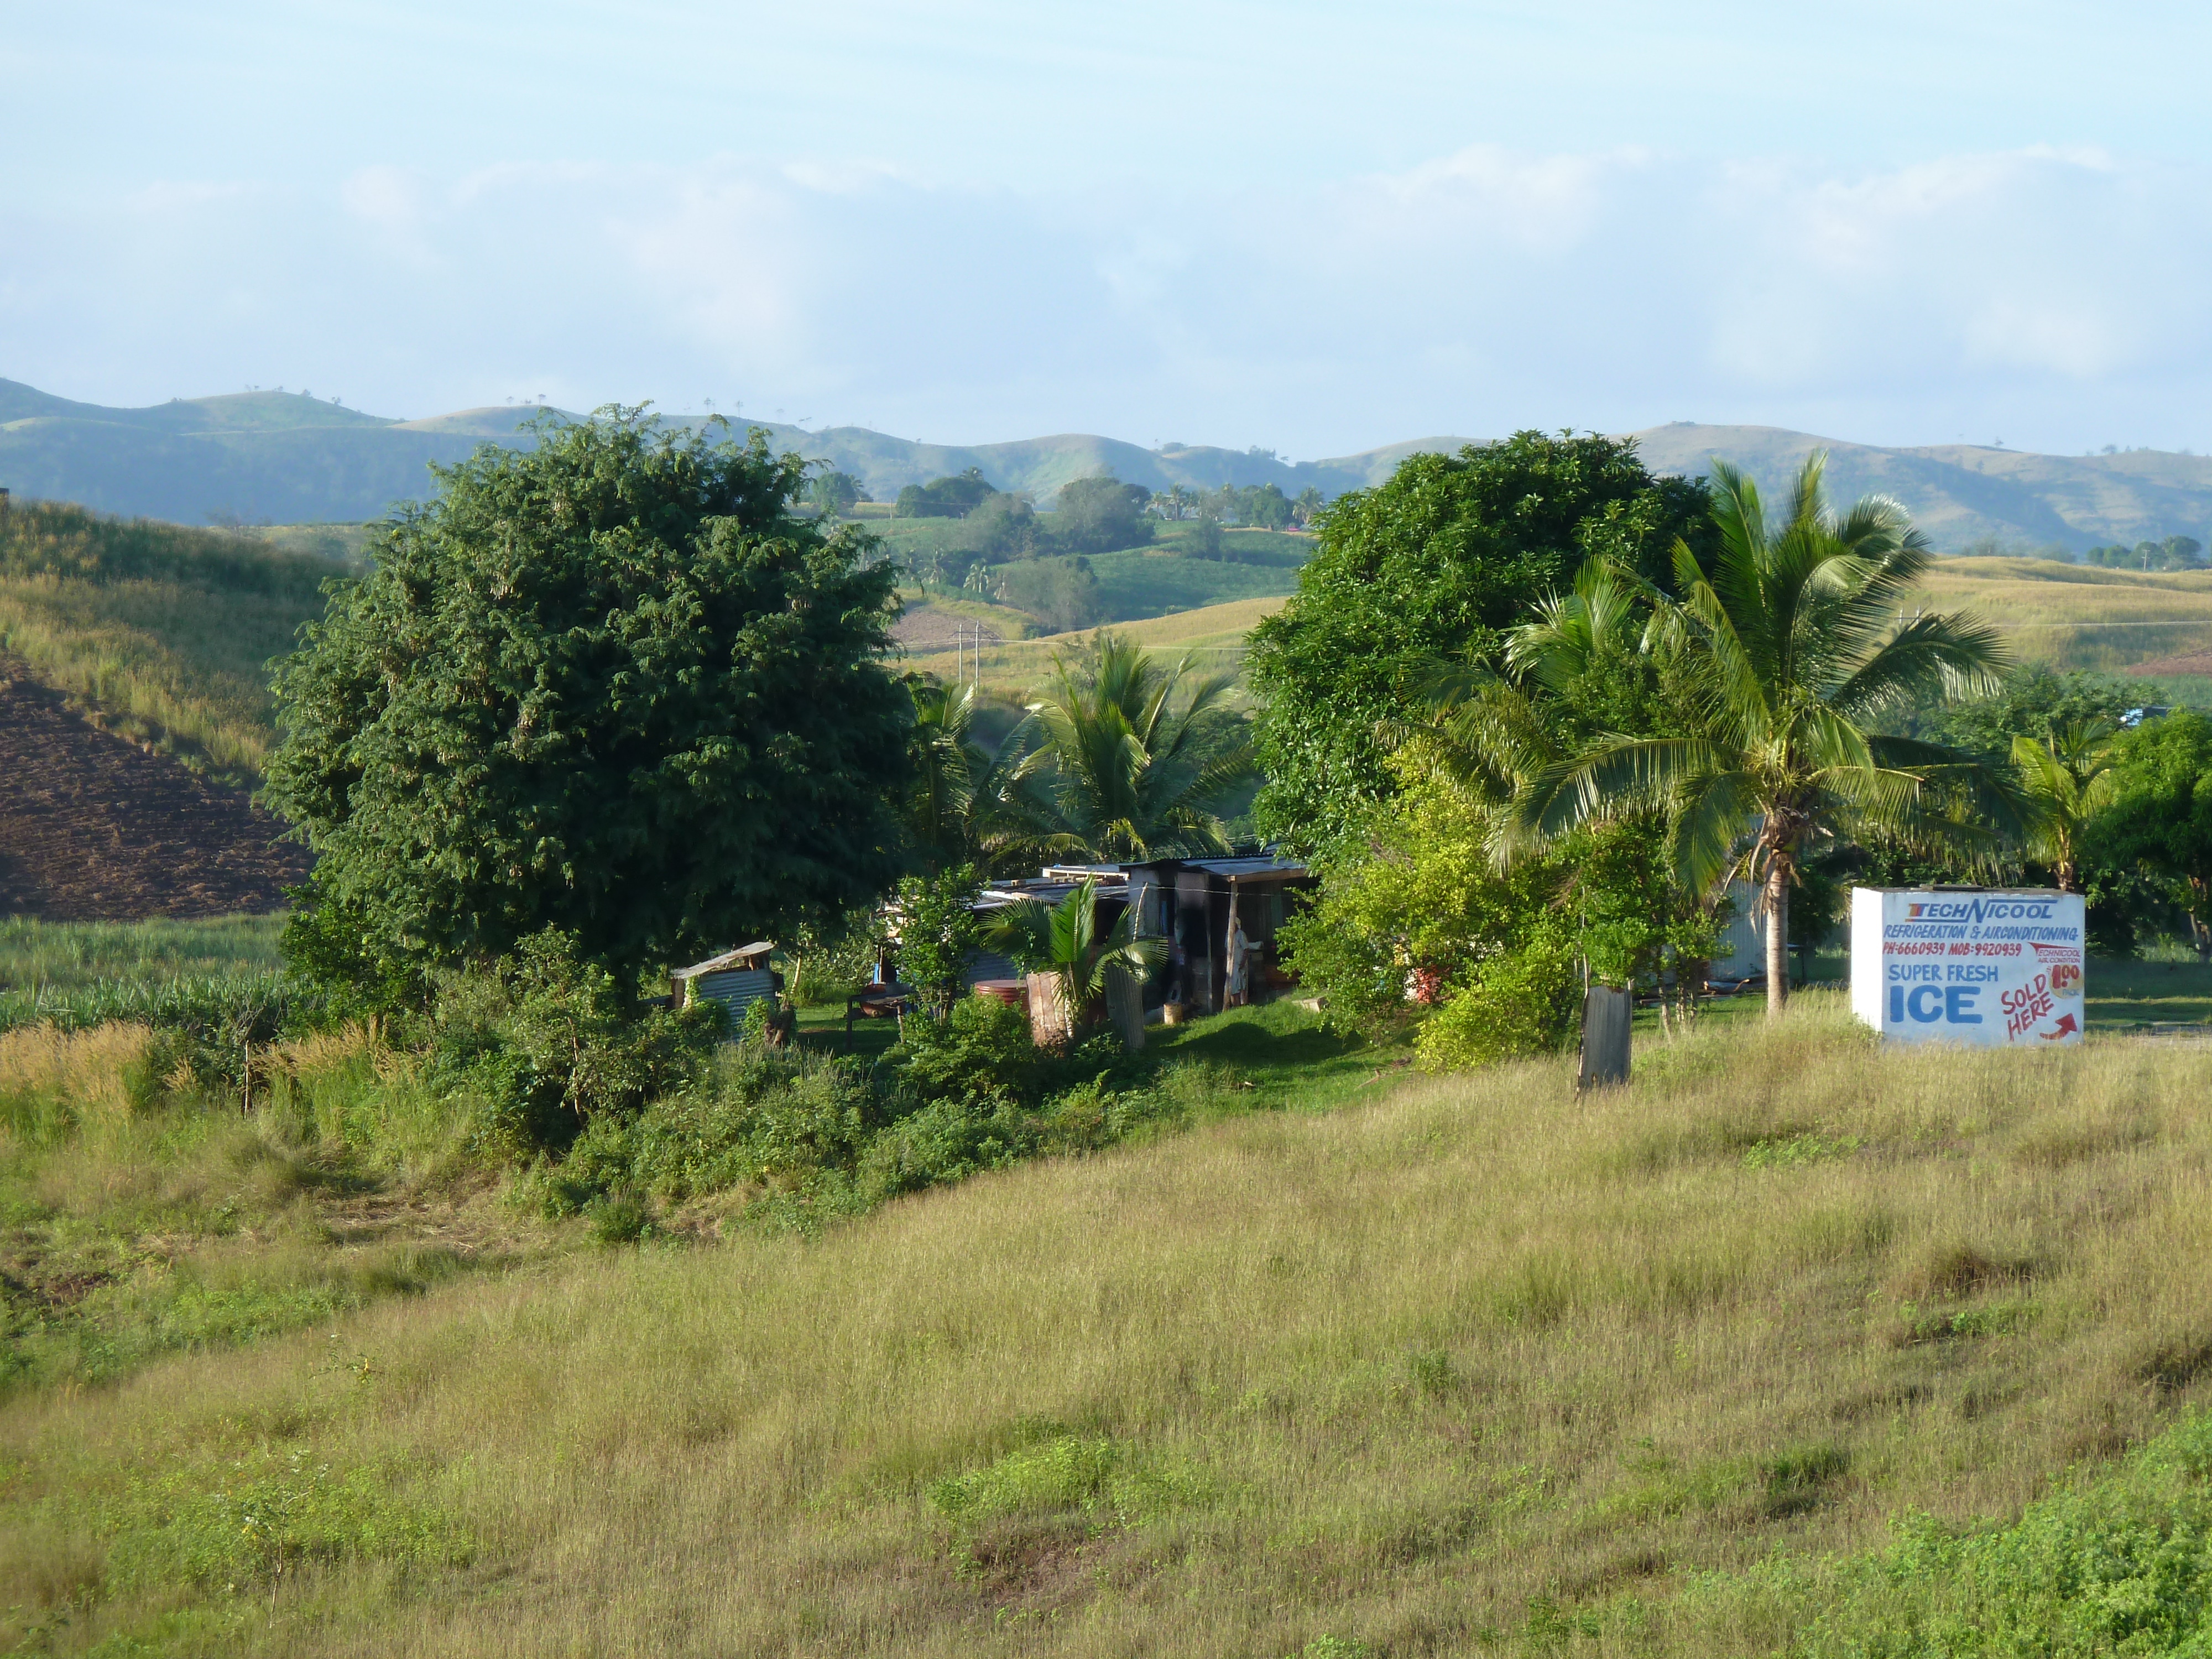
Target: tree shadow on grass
(1256,1045)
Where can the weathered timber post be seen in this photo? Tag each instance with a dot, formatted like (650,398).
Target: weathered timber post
(1605,1017)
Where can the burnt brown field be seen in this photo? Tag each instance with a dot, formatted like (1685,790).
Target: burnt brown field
(95,828)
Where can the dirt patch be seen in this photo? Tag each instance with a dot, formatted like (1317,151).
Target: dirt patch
(95,828)
(2188,663)
(923,630)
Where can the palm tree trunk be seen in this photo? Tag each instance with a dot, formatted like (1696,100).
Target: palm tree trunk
(1777,933)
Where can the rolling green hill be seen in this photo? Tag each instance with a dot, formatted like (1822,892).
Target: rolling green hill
(1959,492)
(286,458)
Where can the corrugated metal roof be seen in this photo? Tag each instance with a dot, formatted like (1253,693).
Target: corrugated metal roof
(999,895)
(745,955)
(1252,866)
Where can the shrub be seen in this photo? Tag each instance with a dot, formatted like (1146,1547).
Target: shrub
(544,1043)
(1518,1005)
(945,1141)
(759,1115)
(977,1056)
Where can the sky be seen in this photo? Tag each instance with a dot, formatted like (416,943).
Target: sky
(1304,228)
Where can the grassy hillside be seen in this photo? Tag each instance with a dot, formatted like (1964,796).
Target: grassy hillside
(1213,635)
(2077,617)
(163,632)
(1958,493)
(1465,1364)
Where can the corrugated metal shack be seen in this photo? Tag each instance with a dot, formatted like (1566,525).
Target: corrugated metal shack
(736,979)
(1050,886)
(1192,903)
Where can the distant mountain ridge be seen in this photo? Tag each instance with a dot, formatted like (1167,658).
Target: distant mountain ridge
(288,458)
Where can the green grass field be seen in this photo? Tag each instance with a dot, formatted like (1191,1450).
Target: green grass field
(1788,1346)
(75,955)
(1143,584)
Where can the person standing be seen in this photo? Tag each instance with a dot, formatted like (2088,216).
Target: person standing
(1240,962)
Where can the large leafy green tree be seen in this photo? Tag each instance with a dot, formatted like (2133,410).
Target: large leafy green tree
(612,685)
(2159,815)
(1791,648)
(1438,562)
(1097,516)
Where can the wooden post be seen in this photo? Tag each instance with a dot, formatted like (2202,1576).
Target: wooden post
(1605,1017)
(1124,1008)
(1052,1022)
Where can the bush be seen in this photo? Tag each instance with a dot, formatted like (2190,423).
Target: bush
(772,1117)
(945,1141)
(980,1054)
(1061,593)
(808,1136)
(544,1043)
(1518,1005)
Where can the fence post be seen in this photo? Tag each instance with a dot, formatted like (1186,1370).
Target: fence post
(1606,1014)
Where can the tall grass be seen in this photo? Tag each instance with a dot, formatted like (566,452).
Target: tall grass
(1480,1366)
(70,956)
(165,633)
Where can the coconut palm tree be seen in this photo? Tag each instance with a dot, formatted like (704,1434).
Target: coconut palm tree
(2066,777)
(965,804)
(1133,759)
(1790,646)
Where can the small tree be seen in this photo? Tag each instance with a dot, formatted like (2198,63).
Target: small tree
(1062,942)
(938,931)
(835,493)
(2066,776)
(2160,814)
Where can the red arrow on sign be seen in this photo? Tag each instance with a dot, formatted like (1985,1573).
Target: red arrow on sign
(2065,1024)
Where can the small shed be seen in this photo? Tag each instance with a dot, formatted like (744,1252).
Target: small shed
(736,979)
(1742,953)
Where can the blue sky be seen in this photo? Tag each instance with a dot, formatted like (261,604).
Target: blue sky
(1313,228)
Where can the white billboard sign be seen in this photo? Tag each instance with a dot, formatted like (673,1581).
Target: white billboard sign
(1980,965)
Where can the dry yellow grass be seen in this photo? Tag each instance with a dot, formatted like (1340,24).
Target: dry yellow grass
(2078,616)
(1408,1374)
(2065,615)
(53,1081)
(1213,635)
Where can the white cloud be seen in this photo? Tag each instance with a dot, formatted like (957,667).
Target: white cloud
(2057,296)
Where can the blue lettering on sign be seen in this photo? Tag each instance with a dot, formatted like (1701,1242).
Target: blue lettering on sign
(1925,1004)
(1896,1004)
(1958,1005)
